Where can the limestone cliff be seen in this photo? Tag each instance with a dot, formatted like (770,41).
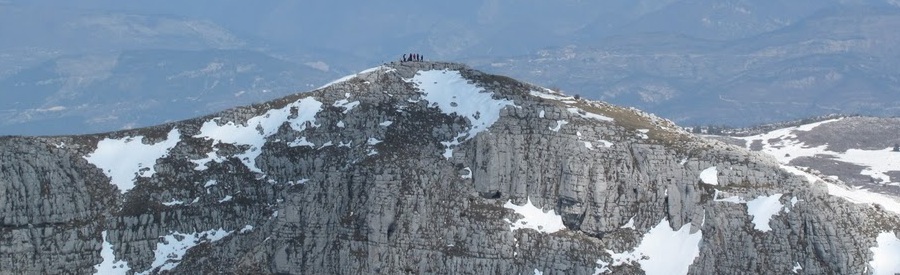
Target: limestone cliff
(420,168)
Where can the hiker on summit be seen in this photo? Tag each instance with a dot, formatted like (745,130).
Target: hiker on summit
(412,57)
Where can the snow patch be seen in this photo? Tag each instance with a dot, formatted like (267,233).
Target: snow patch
(386,123)
(210,183)
(710,176)
(373,141)
(110,265)
(629,224)
(469,175)
(346,104)
(559,124)
(301,141)
(762,209)
(541,114)
(732,199)
(172,247)
(257,129)
(122,160)
(885,254)
(225,199)
(453,94)
(661,251)
(534,218)
(247,228)
(796,268)
(642,133)
(549,94)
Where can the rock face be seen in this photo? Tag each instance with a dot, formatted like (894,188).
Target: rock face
(422,167)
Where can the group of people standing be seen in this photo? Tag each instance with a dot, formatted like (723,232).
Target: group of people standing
(412,57)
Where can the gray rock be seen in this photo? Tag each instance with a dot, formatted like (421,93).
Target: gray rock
(382,198)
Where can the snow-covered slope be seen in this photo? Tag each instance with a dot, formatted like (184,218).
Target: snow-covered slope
(856,151)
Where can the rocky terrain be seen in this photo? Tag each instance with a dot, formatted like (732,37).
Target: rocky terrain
(426,167)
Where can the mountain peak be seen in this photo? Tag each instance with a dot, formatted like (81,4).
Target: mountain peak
(422,167)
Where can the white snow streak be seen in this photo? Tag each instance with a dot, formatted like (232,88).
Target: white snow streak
(110,265)
(586,114)
(348,77)
(173,202)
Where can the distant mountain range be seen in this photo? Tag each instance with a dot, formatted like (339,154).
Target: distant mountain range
(94,93)
(696,62)
(838,61)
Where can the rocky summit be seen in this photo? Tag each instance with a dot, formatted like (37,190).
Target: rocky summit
(426,168)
